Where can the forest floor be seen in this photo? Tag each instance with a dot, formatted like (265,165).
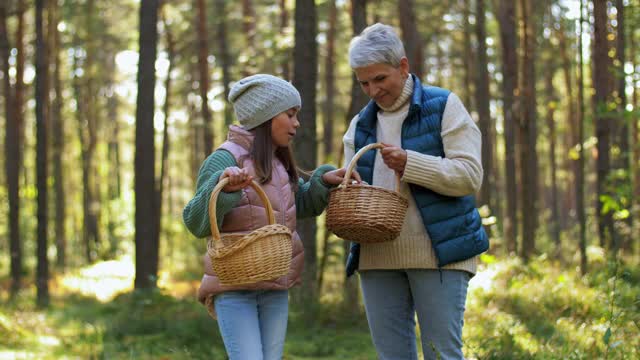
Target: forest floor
(514,311)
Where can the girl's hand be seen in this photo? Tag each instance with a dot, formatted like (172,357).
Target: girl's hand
(335,177)
(394,157)
(238,179)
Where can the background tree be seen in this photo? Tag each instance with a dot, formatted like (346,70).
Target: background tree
(482,100)
(508,36)
(12,161)
(146,239)
(41,90)
(305,78)
(528,131)
(411,36)
(602,83)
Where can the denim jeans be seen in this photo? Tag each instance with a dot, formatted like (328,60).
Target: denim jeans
(393,297)
(253,324)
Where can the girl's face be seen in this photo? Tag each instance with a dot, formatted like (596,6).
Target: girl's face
(283,127)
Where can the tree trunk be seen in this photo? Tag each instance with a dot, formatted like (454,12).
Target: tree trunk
(330,82)
(203,66)
(284,22)
(571,117)
(12,165)
(601,80)
(19,85)
(482,99)
(635,144)
(164,157)
(554,225)
(58,137)
(358,101)
(305,78)
(113,153)
(508,35)
(468,54)
(624,182)
(41,91)
(528,133)
(581,211)
(328,123)
(88,138)
(144,183)
(225,59)
(411,36)
(249,28)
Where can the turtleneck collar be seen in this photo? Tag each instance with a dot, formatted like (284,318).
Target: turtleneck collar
(404,97)
(240,136)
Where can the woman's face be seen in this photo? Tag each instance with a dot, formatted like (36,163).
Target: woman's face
(382,82)
(284,126)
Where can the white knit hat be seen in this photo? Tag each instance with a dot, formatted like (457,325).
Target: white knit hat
(259,98)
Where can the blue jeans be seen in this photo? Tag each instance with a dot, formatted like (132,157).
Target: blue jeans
(253,324)
(393,297)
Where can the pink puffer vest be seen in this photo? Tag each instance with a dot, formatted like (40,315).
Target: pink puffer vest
(250,214)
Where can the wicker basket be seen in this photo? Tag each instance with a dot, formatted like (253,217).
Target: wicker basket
(365,213)
(246,258)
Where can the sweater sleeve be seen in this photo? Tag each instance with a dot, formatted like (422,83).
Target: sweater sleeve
(459,173)
(196,212)
(349,142)
(312,196)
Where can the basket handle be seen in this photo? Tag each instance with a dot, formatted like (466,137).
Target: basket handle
(215,233)
(354,161)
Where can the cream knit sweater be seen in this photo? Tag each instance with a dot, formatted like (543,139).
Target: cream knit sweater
(458,174)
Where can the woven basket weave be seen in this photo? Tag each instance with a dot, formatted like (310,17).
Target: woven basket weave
(365,213)
(246,258)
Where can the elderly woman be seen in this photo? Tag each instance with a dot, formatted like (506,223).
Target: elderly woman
(434,145)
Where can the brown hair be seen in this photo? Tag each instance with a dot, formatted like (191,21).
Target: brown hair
(262,153)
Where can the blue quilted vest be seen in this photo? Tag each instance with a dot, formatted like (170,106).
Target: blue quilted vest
(453,223)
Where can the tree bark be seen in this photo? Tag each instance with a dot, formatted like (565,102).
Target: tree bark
(622,239)
(284,22)
(482,99)
(41,91)
(554,225)
(358,101)
(330,82)
(602,67)
(528,133)
(225,59)
(635,144)
(305,78)
(581,211)
(113,153)
(468,54)
(166,141)
(411,36)
(508,35)
(571,165)
(19,85)
(249,28)
(12,164)
(58,137)
(328,124)
(144,183)
(203,66)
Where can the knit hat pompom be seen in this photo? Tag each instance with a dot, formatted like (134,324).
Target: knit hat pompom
(259,98)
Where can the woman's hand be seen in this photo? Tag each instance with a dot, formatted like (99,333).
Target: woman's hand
(238,179)
(335,177)
(394,157)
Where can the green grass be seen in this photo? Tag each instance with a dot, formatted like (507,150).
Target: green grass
(514,311)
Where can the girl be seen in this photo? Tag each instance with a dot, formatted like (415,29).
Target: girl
(253,318)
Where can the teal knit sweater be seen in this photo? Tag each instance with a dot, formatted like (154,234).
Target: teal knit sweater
(311,198)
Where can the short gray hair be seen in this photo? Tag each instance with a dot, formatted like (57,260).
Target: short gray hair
(377,44)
